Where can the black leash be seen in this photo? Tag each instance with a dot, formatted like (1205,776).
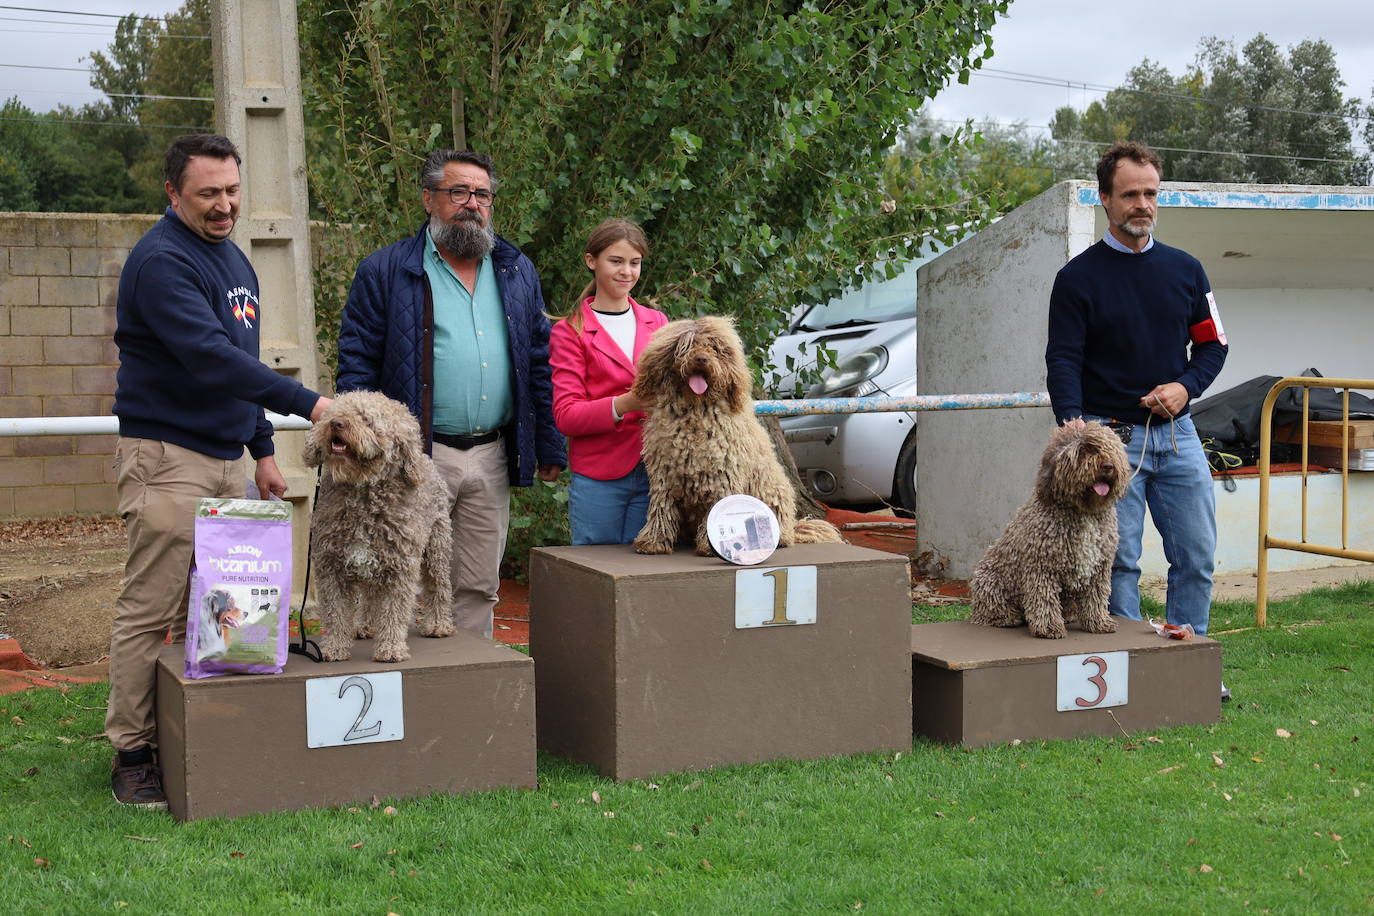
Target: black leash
(308,647)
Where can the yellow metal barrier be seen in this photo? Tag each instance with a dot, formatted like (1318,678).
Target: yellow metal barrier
(1267,543)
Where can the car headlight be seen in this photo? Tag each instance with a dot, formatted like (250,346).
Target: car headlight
(854,370)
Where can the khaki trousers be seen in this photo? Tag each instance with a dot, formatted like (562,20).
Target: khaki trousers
(157,485)
(478,481)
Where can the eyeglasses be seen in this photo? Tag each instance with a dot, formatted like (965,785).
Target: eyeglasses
(459,194)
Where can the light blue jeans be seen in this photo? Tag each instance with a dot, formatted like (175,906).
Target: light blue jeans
(1178,490)
(608,511)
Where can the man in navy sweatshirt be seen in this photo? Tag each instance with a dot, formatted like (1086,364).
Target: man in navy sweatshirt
(1134,336)
(190,393)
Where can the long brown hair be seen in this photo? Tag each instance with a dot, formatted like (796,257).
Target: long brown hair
(603,237)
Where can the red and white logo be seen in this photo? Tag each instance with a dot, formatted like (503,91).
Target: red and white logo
(1209,329)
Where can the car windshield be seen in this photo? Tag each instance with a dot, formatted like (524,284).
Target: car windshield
(881,300)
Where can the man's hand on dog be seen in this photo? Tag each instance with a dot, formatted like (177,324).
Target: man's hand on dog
(320,407)
(1166,400)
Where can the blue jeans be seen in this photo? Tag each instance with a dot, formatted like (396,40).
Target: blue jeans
(1178,490)
(608,511)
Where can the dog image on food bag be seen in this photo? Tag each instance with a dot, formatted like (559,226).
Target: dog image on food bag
(380,530)
(1053,563)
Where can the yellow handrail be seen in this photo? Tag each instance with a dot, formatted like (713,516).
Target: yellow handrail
(1267,543)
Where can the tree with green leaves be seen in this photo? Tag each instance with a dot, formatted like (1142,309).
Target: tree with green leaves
(749,138)
(46,166)
(1260,115)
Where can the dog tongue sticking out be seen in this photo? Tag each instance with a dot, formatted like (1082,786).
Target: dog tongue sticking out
(697,383)
(1100,488)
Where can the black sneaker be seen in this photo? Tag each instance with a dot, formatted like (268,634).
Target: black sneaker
(136,779)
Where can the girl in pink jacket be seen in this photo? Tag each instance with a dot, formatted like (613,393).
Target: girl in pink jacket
(592,351)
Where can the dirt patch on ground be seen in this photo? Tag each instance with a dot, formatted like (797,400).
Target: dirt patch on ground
(59,578)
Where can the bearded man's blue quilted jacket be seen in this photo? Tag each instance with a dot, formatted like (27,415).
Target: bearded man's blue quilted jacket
(386,344)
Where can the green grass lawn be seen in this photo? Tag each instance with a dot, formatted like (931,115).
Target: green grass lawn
(1268,810)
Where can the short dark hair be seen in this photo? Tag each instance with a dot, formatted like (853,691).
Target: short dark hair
(188,145)
(1138,153)
(432,172)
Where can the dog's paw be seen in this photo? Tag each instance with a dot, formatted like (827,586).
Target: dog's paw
(652,547)
(436,631)
(1050,633)
(391,655)
(1105,625)
(336,655)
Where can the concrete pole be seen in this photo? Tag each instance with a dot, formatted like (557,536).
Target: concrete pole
(258,106)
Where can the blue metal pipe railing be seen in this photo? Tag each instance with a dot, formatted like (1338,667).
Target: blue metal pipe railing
(807,406)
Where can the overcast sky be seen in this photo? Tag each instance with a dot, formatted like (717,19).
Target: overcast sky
(1068,43)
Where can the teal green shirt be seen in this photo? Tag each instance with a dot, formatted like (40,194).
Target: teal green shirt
(472,365)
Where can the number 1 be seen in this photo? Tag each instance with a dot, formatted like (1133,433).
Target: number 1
(779,577)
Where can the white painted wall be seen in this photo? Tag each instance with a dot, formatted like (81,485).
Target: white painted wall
(1295,283)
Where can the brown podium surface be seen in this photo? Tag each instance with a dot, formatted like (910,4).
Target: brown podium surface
(238,744)
(976,685)
(641,667)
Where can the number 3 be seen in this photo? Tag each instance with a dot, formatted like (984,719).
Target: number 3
(1097,681)
(365,686)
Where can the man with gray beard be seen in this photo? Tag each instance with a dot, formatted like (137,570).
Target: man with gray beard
(451,323)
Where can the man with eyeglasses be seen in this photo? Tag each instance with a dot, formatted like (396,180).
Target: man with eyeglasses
(450,322)
(189,395)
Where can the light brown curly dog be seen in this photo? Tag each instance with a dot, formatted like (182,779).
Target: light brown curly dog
(1053,563)
(380,528)
(702,441)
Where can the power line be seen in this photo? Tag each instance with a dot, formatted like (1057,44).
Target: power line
(120,95)
(1040,80)
(34,9)
(88,25)
(200,127)
(43,67)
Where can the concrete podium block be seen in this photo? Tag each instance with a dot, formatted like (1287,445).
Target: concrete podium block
(641,668)
(975,685)
(237,744)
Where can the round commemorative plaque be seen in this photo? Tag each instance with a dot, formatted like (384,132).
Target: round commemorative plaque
(742,530)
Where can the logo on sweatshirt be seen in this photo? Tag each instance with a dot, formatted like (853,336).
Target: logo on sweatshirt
(243,302)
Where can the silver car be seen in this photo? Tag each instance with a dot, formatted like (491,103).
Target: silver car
(860,459)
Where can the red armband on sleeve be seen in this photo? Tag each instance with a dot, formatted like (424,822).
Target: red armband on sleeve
(1209,329)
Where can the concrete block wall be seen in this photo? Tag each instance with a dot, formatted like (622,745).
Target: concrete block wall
(59,275)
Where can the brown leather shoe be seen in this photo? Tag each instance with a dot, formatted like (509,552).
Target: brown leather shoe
(137,784)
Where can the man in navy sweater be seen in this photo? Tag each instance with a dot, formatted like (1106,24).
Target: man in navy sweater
(1134,336)
(190,393)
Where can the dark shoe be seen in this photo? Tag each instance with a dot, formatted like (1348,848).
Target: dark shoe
(1225,693)
(136,779)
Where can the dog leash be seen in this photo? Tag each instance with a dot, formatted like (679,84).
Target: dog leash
(1173,436)
(308,647)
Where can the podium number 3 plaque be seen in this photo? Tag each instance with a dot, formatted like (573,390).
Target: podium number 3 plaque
(1092,681)
(354,709)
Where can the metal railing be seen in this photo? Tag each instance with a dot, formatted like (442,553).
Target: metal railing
(1266,542)
(101,426)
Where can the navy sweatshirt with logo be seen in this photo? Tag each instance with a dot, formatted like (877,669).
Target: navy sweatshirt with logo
(188,319)
(1121,324)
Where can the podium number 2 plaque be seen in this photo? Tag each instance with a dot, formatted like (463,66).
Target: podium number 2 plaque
(354,709)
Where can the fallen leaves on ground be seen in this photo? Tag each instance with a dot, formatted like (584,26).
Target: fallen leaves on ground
(1283,733)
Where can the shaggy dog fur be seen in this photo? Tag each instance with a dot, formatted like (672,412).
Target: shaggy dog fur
(702,441)
(380,528)
(1053,564)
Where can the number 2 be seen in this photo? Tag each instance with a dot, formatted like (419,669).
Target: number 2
(365,686)
(1095,680)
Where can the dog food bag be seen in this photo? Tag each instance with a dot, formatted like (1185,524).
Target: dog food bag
(237,618)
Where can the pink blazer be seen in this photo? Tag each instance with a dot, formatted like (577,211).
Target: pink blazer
(589,370)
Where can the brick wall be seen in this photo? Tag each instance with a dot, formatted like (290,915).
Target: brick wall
(58,278)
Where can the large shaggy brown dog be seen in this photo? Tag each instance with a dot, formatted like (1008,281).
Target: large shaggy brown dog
(1053,564)
(380,528)
(702,441)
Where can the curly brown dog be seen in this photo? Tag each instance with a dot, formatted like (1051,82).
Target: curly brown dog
(380,528)
(1053,563)
(702,441)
